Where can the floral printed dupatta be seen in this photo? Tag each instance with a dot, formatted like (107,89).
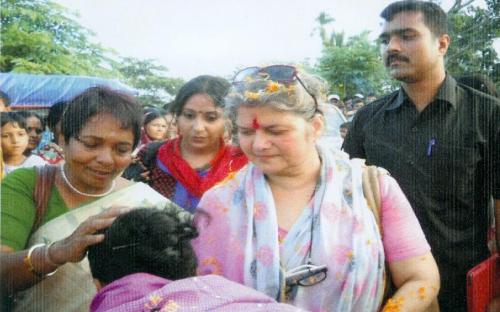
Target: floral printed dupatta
(239,239)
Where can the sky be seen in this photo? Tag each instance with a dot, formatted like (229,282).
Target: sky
(194,37)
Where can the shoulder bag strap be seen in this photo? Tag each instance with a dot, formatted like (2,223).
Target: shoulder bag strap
(45,177)
(371,190)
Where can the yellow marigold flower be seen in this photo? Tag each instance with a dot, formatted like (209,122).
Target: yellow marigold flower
(254,96)
(393,305)
(155,299)
(248,79)
(229,177)
(272,87)
(421,293)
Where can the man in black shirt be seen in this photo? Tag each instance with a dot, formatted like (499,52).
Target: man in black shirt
(439,139)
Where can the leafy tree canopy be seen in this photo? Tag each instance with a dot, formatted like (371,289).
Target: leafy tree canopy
(354,65)
(351,65)
(42,37)
(156,88)
(473,30)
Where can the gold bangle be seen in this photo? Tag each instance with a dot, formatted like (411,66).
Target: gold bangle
(29,265)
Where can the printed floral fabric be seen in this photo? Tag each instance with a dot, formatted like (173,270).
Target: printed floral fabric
(239,238)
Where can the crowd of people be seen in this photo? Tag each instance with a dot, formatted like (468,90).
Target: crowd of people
(233,199)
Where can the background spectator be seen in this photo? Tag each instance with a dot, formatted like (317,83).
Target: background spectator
(35,127)
(479,82)
(4,102)
(14,142)
(438,139)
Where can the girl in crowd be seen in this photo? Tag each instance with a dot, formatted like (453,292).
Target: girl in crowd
(294,223)
(146,263)
(49,148)
(172,126)
(154,127)
(183,168)
(15,141)
(34,128)
(100,129)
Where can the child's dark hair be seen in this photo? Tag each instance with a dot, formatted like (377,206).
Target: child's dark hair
(148,240)
(13,117)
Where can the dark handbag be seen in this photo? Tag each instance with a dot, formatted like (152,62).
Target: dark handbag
(143,162)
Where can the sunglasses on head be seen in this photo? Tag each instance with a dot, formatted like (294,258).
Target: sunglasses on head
(285,74)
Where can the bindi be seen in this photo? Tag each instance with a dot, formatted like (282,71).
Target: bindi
(255,124)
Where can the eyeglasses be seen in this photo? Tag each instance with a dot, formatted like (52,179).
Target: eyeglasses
(280,73)
(305,275)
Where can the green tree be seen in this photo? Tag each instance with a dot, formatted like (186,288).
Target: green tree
(40,36)
(355,65)
(473,30)
(156,89)
(350,66)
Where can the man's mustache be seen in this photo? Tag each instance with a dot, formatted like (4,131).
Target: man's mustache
(396,57)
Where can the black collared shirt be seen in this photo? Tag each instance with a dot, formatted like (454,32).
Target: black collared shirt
(446,160)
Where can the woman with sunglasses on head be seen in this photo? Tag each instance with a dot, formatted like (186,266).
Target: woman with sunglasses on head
(294,223)
(49,216)
(182,169)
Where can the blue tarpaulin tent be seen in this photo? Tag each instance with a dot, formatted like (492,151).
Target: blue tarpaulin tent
(28,91)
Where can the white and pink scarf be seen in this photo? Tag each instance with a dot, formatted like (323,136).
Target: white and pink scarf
(239,237)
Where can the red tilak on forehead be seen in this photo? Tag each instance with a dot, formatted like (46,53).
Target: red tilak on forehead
(255,124)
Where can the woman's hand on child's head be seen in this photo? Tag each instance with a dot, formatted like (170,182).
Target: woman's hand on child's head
(74,247)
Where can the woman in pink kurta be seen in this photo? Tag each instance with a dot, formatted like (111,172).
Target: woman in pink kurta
(294,223)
